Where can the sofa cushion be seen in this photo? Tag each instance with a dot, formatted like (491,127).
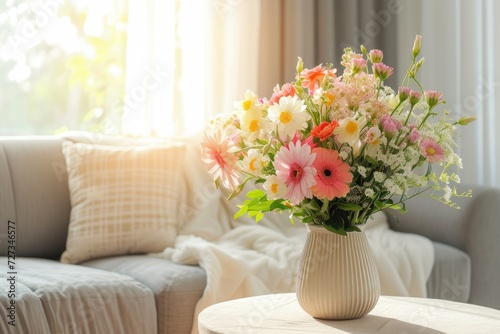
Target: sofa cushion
(451,275)
(77,299)
(177,288)
(34,194)
(124,200)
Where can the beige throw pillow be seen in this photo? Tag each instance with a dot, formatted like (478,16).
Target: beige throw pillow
(124,200)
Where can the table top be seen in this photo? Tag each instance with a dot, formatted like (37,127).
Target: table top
(281,313)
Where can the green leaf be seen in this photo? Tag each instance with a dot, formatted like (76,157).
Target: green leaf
(278,205)
(259,216)
(307,220)
(263,206)
(324,207)
(371,160)
(241,212)
(334,230)
(352,228)
(257,193)
(253,202)
(252,214)
(349,206)
(235,193)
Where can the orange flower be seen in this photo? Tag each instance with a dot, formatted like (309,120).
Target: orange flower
(324,130)
(332,176)
(315,76)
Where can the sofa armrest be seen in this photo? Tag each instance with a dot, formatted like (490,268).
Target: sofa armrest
(475,229)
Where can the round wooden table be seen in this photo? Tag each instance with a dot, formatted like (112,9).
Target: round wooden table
(281,313)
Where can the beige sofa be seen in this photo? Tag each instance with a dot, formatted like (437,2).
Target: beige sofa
(137,293)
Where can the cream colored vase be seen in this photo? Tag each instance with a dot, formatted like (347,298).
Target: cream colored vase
(337,275)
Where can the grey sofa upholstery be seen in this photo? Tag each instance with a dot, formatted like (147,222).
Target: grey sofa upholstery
(143,294)
(474,231)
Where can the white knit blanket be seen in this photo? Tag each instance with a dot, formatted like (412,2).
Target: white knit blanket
(254,259)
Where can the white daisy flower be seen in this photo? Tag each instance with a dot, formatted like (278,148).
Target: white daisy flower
(289,115)
(274,188)
(254,162)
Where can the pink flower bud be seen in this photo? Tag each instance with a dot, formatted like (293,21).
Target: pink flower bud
(416,46)
(389,124)
(433,97)
(414,134)
(358,65)
(376,56)
(382,71)
(403,93)
(300,65)
(414,97)
(466,120)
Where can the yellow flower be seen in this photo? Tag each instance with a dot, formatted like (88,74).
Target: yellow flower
(250,102)
(348,130)
(290,116)
(254,162)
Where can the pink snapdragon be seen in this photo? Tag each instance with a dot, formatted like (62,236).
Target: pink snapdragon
(390,124)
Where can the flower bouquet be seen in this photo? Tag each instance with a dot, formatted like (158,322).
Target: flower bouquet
(333,150)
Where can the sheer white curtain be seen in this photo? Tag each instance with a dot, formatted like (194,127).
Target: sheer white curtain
(187,61)
(461,44)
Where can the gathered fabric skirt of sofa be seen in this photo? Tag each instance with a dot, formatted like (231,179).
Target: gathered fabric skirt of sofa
(52,297)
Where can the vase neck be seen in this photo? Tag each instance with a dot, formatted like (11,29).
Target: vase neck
(320,229)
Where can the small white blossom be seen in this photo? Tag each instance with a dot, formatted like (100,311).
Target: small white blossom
(369,193)
(445,177)
(392,187)
(379,177)
(457,160)
(447,193)
(455,178)
(362,171)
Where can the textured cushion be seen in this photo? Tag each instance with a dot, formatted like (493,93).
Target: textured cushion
(124,200)
(451,275)
(177,288)
(71,299)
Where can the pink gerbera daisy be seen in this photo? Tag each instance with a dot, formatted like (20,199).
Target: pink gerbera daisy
(333,175)
(431,150)
(218,153)
(293,165)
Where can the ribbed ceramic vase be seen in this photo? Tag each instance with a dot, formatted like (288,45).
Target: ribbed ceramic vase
(337,275)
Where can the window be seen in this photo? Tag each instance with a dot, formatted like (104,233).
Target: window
(62,65)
